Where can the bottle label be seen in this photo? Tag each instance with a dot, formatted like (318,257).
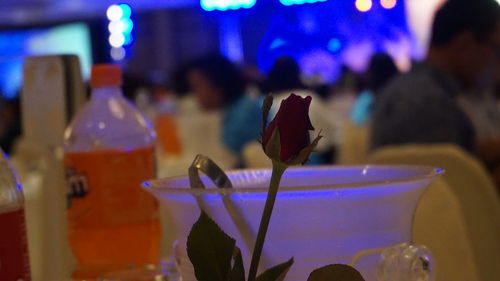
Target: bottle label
(104,187)
(14,259)
(77,185)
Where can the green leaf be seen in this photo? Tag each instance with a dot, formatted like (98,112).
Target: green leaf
(277,272)
(210,250)
(335,272)
(238,271)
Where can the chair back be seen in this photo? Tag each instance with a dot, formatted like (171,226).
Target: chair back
(466,210)
(353,145)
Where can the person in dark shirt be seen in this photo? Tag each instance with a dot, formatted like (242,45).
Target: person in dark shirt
(421,106)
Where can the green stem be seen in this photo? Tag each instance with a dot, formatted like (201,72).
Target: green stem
(278,170)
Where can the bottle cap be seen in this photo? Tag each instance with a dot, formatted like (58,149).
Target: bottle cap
(106,75)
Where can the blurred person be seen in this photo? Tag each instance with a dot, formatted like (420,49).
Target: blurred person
(343,95)
(421,106)
(283,79)
(133,85)
(481,107)
(284,76)
(323,90)
(381,69)
(339,103)
(254,79)
(347,82)
(10,123)
(219,85)
(178,80)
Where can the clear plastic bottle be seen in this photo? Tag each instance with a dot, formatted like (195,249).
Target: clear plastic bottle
(109,151)
(166,127)
(14,259)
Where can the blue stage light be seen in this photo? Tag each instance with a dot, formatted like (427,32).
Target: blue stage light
(224,5)
(334,45)
(337,37)
(278,42)
(128,39)
(126,10)
(299,2)
(128,25)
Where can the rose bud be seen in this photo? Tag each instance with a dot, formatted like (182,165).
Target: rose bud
(286,139)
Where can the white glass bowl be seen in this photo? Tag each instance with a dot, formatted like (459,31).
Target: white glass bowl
(323,215)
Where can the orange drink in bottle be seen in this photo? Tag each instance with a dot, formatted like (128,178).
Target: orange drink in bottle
(109,152)
(167,134)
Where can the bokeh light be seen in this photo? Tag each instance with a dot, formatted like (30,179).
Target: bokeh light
(389,4)
(118,53)
(116,39)
(116,26)
(120,27)
(363,5)
(224,5)
(334,45)
(126,10)
(299,2)
(114,12)
(128,39)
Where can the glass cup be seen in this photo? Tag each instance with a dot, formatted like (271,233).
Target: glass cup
(359,215)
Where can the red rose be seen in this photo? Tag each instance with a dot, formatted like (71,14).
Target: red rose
(292,125)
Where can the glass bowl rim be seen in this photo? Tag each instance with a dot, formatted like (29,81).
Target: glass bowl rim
(424,172)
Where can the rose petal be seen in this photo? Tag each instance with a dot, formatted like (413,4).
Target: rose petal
(293,123)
